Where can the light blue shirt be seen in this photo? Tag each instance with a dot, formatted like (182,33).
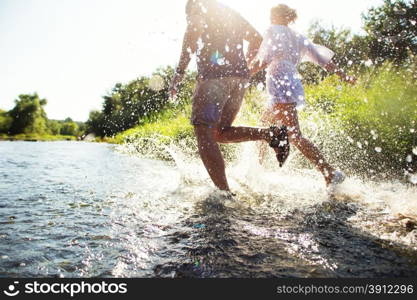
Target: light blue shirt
(283,50)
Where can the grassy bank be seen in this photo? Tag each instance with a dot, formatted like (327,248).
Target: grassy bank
(172,124)
(369,128)
(37,138)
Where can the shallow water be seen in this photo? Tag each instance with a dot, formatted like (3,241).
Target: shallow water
(71,209)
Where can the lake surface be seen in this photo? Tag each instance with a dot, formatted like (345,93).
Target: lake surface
(73,209)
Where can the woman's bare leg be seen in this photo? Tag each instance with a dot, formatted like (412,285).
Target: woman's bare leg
(288,116)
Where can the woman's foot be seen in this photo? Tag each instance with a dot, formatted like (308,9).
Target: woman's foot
(280,143)
(338,177)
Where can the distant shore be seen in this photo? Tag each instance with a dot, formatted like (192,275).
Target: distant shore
(56,138)
(38,138)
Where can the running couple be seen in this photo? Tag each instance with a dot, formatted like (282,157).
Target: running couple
(216,34)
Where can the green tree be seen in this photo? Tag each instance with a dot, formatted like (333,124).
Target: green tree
(5,122)
(128,105)
(351,51)
(95,123)
(69,127)
(392,30)
(82,127)
(54,127)
(28,115)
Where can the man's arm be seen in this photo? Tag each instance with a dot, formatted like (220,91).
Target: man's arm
(254,38)
(253,50)
(189,47)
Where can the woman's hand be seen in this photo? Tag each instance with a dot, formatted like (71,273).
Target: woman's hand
(252,71)
(256,66)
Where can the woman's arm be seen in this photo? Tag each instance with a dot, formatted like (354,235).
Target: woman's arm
(322,56)
(265,54)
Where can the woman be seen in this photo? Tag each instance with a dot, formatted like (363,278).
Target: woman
(281,51)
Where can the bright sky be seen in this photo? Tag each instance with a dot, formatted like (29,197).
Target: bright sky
(72,52)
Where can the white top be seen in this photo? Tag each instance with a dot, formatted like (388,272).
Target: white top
(283,49)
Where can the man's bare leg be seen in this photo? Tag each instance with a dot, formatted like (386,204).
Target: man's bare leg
(211,156)
(224,132)
(207,139)
(241,134)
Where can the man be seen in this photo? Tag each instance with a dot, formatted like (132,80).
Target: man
(216,34)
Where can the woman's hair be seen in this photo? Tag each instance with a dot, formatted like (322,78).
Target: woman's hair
(284,13)
(198,6)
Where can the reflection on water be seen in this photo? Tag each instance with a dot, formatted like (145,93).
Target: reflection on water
(80,209)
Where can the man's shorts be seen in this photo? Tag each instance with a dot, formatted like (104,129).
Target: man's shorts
(216,102)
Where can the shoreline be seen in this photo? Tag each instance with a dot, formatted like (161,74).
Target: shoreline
(60,138)
(36,138)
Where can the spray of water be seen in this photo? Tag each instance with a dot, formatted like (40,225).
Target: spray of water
(386,210)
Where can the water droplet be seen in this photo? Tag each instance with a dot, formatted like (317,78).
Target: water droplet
(369,63)
(413,179)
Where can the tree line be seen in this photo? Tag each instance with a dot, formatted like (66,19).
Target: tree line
(28,116)
(137,102)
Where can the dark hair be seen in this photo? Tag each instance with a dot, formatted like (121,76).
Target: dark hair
(284,13)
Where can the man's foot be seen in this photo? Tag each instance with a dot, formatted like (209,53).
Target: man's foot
(230,196)
(280,143)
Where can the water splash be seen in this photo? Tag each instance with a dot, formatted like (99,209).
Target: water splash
(283,191)
(115,214)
